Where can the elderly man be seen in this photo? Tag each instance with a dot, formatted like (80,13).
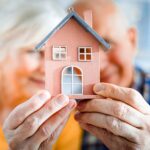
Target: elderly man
(121,119)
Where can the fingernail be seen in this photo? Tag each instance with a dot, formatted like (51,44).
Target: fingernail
(72,104)
(44,95)
(99,87)
(62,99)
(77,116)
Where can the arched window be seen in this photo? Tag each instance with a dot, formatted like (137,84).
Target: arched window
(72,81)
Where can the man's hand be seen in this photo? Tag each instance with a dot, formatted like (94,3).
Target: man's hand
(121,120)
(36,123)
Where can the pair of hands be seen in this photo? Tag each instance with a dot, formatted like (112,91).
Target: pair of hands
(120,120)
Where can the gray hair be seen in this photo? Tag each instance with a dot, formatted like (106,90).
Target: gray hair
(130,11)
(24,22)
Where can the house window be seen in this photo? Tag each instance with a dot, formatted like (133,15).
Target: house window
(85,54)
(59,53)
(72,81)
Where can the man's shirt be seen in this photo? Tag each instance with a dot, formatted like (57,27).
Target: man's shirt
(142,85)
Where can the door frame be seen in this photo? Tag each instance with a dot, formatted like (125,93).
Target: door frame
(62,73)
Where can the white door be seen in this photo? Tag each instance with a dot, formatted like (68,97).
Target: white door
(72,81)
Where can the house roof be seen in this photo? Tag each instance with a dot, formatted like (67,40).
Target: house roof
(74,15)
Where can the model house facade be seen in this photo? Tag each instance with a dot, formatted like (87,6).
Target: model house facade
(72,57)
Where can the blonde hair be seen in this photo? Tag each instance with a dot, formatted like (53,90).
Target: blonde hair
(25,22)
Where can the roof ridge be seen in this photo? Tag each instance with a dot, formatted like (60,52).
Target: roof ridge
(81,22)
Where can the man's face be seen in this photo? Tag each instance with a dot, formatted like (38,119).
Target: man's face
(24,73)
(117,64)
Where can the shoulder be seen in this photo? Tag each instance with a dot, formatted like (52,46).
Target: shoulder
(142,82)
(3,143)
(143,73)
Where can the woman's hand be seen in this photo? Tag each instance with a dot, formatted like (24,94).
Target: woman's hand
(121,120)
(36,123)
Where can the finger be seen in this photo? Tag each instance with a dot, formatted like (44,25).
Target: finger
(48,143)
(126,95)
(113,125)
(110,140)
(46,130)
(114,108)
(52,139)
(21,112)
(34,121)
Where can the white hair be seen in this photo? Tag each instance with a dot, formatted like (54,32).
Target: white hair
(130,11)
(26,22)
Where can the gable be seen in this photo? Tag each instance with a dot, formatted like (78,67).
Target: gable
(72,33)
(82,23)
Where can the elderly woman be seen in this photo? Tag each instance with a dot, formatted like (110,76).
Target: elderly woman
(36,123)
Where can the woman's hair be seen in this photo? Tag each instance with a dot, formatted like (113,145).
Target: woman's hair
(26,22)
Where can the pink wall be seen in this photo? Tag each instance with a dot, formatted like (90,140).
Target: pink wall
(73,36)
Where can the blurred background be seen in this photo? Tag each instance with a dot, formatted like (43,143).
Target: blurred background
(138,12)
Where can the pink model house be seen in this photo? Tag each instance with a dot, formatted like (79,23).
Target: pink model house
(72,57)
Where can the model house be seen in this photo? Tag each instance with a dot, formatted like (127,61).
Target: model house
(72,56)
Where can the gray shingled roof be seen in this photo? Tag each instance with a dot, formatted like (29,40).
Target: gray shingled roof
(74,15)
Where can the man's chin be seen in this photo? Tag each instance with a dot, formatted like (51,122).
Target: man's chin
(106,80)
(110,81)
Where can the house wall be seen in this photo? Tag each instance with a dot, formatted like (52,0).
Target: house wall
(73,36)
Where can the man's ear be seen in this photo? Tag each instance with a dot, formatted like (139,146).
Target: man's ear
(133,37)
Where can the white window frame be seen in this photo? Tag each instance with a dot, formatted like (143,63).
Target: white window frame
(57,50)
(72,82)
(85,54)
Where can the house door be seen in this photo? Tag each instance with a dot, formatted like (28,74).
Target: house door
(72,81)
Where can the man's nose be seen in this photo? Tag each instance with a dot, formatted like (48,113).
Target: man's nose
(42,63)
(104,60)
